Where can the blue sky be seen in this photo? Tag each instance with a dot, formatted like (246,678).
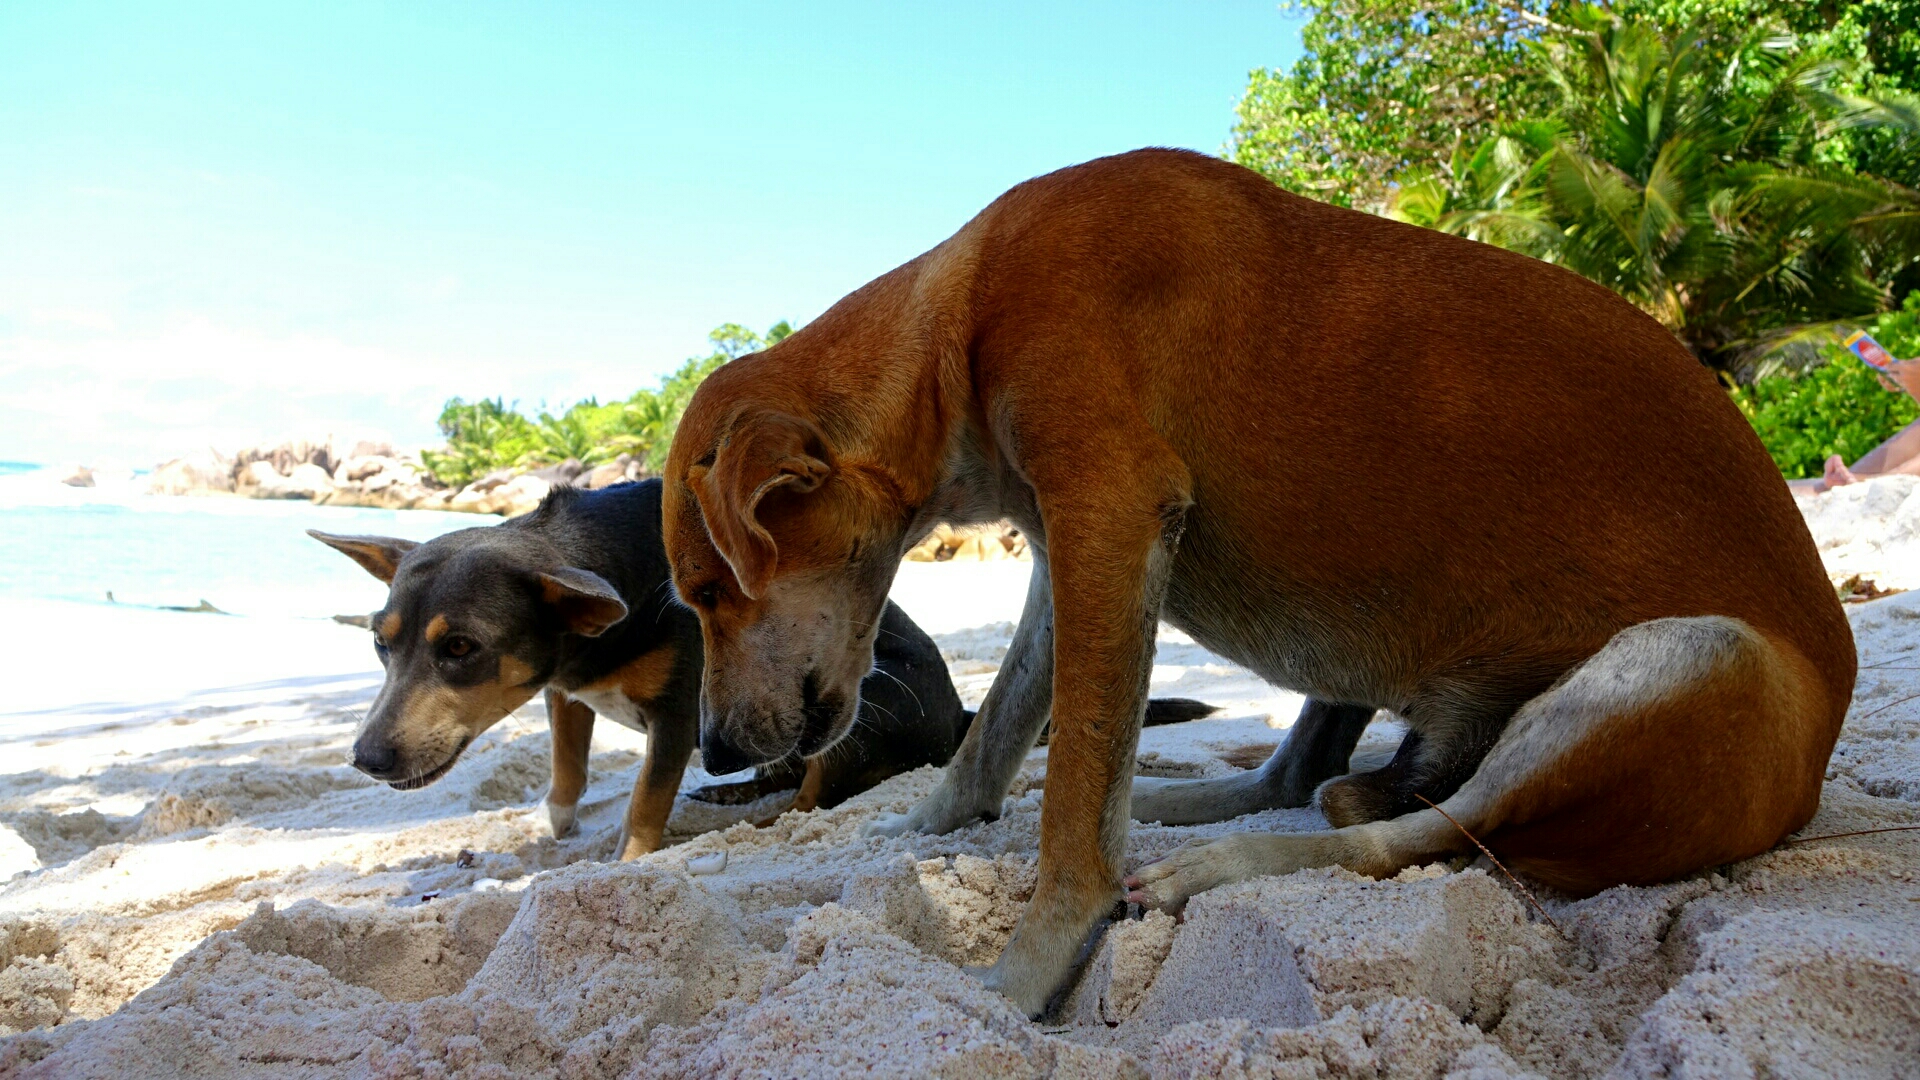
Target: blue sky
(221,223)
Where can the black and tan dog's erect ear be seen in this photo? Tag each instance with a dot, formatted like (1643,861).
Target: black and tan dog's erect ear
(761,453)
(586,603)
(380,555)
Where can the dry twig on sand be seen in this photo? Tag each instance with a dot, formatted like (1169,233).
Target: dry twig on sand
(1528,893)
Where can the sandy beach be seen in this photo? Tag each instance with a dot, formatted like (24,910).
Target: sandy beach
(200,886)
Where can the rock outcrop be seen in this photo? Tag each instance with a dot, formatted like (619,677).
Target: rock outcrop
(374,475)
(1001,541)
(204,472)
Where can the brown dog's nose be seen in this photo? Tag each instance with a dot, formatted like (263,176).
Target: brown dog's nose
(720,757)
(375,758)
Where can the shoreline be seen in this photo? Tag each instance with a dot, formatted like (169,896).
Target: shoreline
(374,477)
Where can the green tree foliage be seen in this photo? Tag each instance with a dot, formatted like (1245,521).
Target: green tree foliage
(1385,86)
(487,435)
(1695,180)
(1703,158)
(1840,407)
(481,436)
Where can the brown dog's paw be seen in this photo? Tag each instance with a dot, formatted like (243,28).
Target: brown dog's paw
(1169,882)
(1356,800)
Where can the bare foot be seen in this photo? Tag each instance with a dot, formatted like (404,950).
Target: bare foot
(1836,475)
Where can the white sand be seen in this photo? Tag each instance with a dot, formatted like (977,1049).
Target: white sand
(204,889)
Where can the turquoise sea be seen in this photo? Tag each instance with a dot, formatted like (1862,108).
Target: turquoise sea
(90,578)
(243,556)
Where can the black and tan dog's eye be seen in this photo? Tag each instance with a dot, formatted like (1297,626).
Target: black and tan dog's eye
(458,647)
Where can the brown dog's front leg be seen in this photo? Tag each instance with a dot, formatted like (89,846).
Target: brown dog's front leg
(1109,582)
(570,724)
(669,747)
(1318,746)
(975,782)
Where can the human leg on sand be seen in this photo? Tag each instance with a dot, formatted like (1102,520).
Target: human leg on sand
(1899,454)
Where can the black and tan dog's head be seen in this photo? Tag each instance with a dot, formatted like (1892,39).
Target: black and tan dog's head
(470,632)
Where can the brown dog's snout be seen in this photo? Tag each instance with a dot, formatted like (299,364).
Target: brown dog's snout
(820,710)
(720,756)
(770,724)
(744,733)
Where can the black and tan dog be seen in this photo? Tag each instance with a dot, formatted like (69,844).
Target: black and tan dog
(574,598)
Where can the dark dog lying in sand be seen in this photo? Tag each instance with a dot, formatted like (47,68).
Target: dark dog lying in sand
(574,598)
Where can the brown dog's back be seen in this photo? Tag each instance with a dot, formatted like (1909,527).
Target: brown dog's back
(1485,466)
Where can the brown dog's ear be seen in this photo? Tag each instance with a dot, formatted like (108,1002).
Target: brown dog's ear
(587,604)
(380,555)
(760,454)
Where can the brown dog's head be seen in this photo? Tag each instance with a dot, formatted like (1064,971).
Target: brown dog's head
(787,553)
(469,633)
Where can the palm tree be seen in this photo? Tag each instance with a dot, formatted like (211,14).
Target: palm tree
(1696,179)
(1491,193)
(1696,189)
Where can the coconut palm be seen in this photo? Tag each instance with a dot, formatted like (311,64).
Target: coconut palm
(1490,193)
(1696,188)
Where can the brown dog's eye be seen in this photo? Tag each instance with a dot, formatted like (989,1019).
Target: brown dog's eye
(707,595)
(457,647)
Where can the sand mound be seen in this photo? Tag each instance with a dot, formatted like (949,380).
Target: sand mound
(1872,529)
(229,901)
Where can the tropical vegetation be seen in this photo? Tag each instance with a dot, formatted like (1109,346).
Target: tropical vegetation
(1744,171)
(489,434)
(1840,407)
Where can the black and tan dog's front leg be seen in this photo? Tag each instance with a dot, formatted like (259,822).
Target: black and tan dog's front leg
(670,743)
(570,724)
(1109,563)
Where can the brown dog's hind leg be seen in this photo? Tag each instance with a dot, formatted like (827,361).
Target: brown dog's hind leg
(670,742)
(570,724)
(1317,746)
(1376,795)
(1682,743)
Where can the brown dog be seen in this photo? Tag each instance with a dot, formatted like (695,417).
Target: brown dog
(1384,466)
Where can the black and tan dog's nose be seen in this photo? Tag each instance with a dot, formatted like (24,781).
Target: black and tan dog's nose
(376,759)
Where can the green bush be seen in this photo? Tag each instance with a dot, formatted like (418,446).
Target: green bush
(481,436)
(1839,407)
(488,434)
